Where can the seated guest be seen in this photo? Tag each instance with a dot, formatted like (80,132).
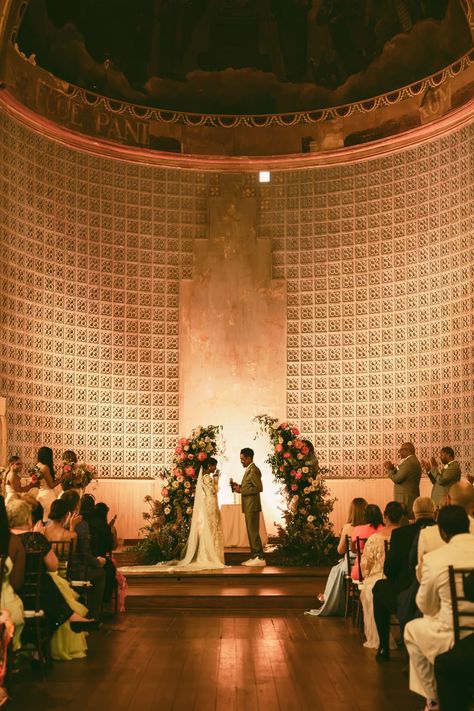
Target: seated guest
(84,564)
(432,634)
(373,523)
(462,494)
(372,562)
(6,635)
(104,545)
(399,577)
(65,615)
(56,531)
(334,594)
(453,669)
(37,512)
(442,475)
(13,572)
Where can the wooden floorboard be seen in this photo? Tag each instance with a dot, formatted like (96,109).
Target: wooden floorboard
(208,661)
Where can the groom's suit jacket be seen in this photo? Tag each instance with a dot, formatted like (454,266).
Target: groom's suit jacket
(250,489)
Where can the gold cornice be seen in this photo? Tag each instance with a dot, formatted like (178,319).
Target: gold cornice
(448,124)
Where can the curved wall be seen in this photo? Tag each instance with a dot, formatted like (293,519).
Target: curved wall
(378,257)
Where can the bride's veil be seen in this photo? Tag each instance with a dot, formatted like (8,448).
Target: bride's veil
(191,548)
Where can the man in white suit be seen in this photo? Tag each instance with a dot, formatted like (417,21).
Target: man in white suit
(431,635)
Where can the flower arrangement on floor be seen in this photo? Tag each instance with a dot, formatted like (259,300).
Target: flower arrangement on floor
(77,475)
(308,537)
(168,521)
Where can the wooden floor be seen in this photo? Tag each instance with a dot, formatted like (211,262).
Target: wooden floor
(207,660)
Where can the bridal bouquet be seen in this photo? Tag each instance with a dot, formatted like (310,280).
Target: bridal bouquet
(77,476)
(34,474)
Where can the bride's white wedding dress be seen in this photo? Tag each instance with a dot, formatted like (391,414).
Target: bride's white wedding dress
(204,549)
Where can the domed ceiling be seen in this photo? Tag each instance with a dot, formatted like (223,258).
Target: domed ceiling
(244,56)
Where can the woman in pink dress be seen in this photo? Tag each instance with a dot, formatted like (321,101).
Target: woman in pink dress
(373,523)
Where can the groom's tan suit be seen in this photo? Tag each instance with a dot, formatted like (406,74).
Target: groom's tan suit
(250,489)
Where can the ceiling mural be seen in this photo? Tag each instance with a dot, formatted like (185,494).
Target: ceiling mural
(244,56)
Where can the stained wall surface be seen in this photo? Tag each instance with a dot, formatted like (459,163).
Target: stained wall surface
(378,261)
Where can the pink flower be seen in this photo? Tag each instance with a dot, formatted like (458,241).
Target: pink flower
(190,471)
(298,475)
(178,449)
(295,430)
(183,441)
(292,473)
(190,456)
(282,468)
(201,456)
(283,426)
(182,456)
(294,487)
(34,479)
(304,450)
(278,448)
(67,467)
(286,455)
(298,443)
(164,492)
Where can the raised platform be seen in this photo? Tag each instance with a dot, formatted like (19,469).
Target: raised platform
(233,587)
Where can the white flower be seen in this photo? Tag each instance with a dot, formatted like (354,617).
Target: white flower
(300,456)
(166,499)
(305,470)
(310,519)
(167,510)
(175,484)
(187,484)
(180,478)
(189,510)
(310,479)
(307,489)
(207,439)
(186,447)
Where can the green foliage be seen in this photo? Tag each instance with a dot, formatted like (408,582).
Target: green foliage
(307,537)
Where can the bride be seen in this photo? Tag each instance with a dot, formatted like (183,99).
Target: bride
(204,549)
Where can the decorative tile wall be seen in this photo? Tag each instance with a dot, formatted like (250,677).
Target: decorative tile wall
(91,255)
(379,262)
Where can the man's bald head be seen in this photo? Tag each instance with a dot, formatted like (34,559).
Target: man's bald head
(462,494)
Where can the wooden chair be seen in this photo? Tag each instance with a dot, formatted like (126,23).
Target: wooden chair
(348,579)
(63,550)
(358,617)
(463,620)
(36,630)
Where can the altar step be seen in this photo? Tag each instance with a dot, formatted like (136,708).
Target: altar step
(232,588)
(232,556)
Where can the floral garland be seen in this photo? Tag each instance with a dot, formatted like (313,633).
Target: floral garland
(308,537)
(168,521)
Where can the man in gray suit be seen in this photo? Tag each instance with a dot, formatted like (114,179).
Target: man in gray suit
(250,489)
(406,477)
(442,476)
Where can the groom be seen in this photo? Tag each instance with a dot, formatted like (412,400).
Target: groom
(250,489)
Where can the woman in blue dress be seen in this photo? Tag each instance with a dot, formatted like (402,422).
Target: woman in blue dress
(333,598)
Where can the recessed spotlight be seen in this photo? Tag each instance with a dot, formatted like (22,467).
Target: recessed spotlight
(264,176)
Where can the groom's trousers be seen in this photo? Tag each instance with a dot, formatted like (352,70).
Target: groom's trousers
(252,521)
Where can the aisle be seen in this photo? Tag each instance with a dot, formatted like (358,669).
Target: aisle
(226,662)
